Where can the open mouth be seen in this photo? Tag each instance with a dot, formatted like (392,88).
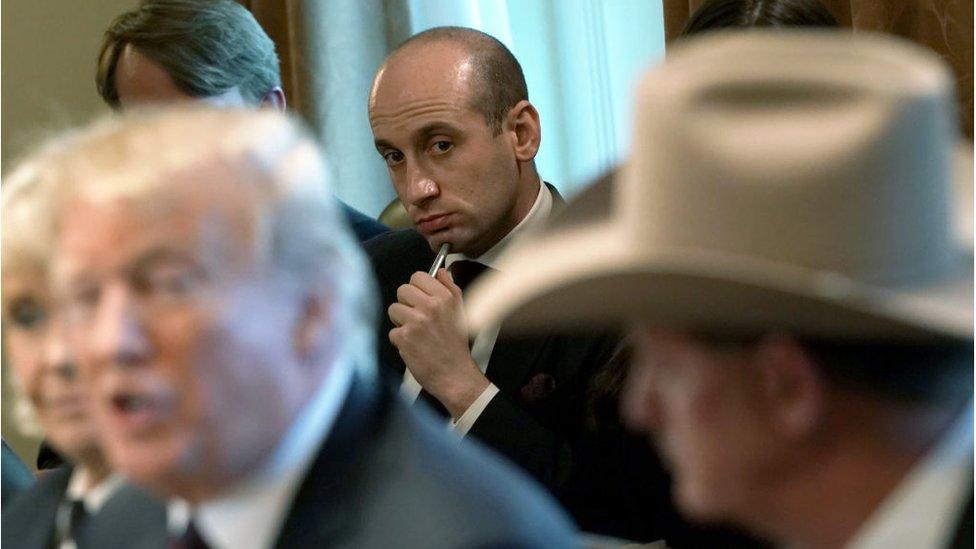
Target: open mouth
(128,404)
(135,414)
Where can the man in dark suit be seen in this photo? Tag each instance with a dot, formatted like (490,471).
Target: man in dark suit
(225,315)
(117,515)
(174,50)
(450,115)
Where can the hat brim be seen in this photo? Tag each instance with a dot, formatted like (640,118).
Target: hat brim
(592,277)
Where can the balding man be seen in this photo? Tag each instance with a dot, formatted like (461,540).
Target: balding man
(451,117)
(224,314)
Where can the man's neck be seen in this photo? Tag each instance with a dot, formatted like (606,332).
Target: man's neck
(844,478)
(520,216)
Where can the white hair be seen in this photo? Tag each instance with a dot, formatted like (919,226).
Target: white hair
(298,227)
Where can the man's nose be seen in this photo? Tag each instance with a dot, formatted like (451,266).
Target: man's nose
(118,336)
(420,186)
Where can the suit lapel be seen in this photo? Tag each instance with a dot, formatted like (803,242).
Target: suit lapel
(326,505)
(513,357)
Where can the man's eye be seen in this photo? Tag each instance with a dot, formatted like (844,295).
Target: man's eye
(441,146)
(27,314)
(166,283)
(393,158)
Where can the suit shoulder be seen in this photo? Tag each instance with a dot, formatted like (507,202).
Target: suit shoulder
(31,514)
(464,482)
(363,225)
(394,241)
(398,254)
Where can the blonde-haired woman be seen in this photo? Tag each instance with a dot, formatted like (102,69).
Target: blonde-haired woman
(65,507)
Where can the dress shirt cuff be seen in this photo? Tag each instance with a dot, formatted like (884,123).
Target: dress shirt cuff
(467,419)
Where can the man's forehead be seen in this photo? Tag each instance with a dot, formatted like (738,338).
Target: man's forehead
(418,73)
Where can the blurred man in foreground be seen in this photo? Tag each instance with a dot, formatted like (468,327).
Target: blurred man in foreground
(783,235)
(225,315)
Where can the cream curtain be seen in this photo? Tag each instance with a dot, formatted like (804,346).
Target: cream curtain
(329,51)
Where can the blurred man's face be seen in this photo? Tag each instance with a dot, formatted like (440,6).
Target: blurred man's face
(457,180)
(141,81)
(38,350)
(189,339)
(698,402)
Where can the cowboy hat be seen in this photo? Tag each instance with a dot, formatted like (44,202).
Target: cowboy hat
(788,180)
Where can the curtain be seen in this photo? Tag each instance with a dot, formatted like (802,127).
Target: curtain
(945,26)
(329,51)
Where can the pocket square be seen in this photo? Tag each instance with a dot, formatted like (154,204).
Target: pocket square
(538,388)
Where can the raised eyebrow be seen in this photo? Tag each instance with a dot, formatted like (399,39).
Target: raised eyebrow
(435,128)
(381,144)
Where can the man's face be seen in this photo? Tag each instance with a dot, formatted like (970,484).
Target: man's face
(700,404)
(141,81)
(457,180)
(188,339)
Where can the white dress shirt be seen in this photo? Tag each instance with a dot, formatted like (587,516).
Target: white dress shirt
(251,513)
(924,509)
(484,341)
(92,497)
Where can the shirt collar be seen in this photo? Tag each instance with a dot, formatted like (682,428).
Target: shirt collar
(924,508)
(535,219)
(93,497)
(251,513)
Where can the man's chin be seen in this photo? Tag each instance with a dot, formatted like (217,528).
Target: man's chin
(153,466)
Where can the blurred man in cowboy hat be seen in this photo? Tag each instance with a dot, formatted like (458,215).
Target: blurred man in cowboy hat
(782,240)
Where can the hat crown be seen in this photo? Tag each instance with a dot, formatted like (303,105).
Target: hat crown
(806,149)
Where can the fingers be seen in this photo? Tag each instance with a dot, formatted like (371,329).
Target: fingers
(447,279)
(430,285)
(412,296)
(400,314)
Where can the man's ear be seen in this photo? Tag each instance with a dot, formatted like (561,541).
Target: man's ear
(313,329)
(792,385)
(523,122)
(274,99)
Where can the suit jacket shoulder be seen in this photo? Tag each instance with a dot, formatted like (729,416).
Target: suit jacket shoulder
(362,225)
(389,477)
(29,519)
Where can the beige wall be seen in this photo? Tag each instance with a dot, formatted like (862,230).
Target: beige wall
(47,67)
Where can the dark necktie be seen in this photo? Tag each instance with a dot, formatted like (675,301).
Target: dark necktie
(190,539)
(464,272)
(71,518)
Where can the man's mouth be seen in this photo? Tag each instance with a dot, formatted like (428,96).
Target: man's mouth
(135,414)
(433,223)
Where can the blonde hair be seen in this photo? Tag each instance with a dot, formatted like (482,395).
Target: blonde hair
(26,243)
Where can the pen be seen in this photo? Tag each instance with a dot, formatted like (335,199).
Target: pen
(439,260)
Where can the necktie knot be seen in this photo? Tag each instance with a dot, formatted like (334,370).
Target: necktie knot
(190,539)
(467,271)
